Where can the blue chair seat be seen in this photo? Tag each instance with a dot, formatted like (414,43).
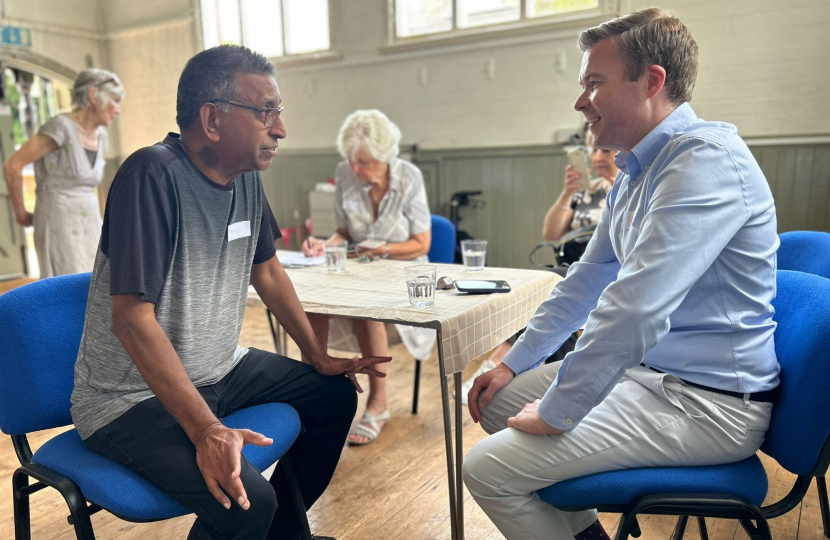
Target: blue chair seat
(128,495)
(745,479)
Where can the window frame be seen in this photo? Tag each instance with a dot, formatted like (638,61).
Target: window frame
(332,53)
(606,10)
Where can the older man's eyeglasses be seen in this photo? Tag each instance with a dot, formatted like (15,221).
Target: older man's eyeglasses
(270,113)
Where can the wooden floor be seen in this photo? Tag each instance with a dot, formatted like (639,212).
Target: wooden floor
(394,488)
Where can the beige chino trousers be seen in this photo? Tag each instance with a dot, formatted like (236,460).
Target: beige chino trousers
(649,419)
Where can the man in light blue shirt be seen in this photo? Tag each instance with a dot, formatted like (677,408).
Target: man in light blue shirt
(676,364)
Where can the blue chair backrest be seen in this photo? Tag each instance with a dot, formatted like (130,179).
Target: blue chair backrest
(40,331)
(805,251)
(801,415)
(442,249)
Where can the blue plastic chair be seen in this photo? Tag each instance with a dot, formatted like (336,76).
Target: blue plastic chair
(809,251)
(805,251)
(798,438)
(40,332)
(442,249)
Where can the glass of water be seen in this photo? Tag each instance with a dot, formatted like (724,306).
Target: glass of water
(473,252)
(336,255)
(420,282)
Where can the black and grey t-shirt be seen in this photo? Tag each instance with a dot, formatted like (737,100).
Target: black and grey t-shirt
(186,244)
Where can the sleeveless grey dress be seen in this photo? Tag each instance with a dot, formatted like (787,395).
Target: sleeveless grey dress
(67,217)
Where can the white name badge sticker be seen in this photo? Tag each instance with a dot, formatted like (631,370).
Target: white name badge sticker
(350,205)
(628,219)
(240,229)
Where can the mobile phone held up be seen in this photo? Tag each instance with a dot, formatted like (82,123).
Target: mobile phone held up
(578,159)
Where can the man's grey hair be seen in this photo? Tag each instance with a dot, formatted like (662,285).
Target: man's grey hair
(107,86)
(651,37)
(211,75)
(372,130)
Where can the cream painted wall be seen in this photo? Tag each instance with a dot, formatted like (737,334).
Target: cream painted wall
(760,68)
(148,43)
(64,31)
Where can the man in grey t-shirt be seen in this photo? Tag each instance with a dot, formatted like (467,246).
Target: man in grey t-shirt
(186,229)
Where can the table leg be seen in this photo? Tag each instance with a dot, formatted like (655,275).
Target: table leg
(445,403)
(459,455)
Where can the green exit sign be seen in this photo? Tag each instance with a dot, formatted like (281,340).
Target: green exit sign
(15,35)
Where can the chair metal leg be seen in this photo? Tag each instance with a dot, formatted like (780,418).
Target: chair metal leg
(20,504)
(417,386)
(287,463)
(821,485)
(680,528)
(701,525)
(628,526)
(79,512)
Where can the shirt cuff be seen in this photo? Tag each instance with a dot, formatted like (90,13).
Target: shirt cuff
(520,358)
(558,410)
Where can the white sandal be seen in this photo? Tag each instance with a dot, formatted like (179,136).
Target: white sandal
(368,427)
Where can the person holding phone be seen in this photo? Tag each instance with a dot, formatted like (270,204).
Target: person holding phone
(576,207)
(380,205)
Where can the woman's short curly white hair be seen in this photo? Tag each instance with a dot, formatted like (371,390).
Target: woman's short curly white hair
(372,130)
(107,85)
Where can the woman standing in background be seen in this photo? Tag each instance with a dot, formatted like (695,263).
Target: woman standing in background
(68,153)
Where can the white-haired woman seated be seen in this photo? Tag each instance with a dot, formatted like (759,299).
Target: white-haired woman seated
(68,153)
(382,197)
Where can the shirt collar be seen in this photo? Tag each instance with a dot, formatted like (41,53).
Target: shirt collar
(647,149)
(395,180)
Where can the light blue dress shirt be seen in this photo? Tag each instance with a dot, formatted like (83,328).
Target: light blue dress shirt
(679,275)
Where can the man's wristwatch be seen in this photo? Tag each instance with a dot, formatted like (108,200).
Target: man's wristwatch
(385,253)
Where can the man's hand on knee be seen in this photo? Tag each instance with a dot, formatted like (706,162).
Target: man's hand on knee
(218,451)
(492,381)
(530,421)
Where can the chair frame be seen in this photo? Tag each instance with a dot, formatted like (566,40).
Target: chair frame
(80,511)
(716,506)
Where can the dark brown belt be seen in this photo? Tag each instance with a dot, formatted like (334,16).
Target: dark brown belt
(768,396)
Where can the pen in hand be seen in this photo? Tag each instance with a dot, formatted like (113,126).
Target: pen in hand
(307,238)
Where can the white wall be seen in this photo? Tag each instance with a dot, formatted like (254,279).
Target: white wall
(148,43)
(760,68)
(64,31)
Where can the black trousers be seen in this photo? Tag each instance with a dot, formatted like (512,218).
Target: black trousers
(149,441)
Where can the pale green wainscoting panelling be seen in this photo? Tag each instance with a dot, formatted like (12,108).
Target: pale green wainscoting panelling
(520,183)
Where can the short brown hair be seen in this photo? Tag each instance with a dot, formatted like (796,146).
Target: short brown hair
(651,37)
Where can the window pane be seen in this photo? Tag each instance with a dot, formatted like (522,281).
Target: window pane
(481,12)
(262,26)
(543,8)
(419,17)
(220,22)
(306,26)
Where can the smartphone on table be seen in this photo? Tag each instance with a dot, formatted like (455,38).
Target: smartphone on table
(578,159)
(482,286)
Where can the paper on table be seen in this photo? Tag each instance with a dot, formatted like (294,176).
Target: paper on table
(290,259)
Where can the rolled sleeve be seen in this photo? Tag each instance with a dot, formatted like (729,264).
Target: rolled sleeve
(341,221)
(416,208)
(56,130)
